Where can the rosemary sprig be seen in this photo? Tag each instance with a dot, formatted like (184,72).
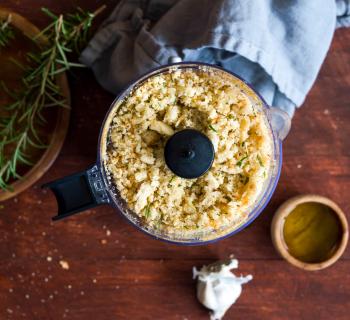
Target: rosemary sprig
(19,125)
(6,32)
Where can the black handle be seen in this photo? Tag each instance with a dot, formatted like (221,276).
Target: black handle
(78,192)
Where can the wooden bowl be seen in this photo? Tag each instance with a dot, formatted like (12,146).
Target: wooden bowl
(60,126)
(278,224)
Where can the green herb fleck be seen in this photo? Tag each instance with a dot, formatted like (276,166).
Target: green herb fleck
(148,211)
(243,144)
(160,220)
(172,179)
(260,161)
(239,163)
(212,128)
(229,116)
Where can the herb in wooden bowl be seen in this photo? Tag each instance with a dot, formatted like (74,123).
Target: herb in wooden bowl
(21,119)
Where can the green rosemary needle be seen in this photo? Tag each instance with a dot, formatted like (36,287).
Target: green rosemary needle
(6,32)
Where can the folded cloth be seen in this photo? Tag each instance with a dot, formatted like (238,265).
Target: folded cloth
(278,46)
(343,13)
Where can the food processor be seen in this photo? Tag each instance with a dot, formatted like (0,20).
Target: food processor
(94,187)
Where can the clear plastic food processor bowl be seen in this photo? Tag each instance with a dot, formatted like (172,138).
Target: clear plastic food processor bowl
(94,186)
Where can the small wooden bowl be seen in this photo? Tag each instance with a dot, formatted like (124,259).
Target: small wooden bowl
(278,224)
(60,128)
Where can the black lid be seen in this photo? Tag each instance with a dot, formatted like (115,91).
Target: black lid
(189,153)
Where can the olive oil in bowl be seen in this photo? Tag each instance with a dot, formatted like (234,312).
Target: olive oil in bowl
(312,232)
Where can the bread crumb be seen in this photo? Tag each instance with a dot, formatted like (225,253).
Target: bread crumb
(64,264)
(108,233)
(103,241)
(299,166)
(49,259)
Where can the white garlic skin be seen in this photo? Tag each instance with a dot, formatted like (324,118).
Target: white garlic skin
(219,290)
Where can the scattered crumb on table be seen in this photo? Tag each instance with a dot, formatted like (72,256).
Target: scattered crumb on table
(64,264)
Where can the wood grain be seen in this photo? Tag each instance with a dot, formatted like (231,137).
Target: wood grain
(128,275)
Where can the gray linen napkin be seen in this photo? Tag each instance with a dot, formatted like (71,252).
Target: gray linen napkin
(278,45)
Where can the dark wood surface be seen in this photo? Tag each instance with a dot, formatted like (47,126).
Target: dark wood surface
(127,275)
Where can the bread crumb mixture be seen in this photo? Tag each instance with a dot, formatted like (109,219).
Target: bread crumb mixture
(212,104)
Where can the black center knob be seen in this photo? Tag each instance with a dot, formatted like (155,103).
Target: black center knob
(189,153)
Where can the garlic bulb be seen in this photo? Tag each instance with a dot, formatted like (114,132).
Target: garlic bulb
(217,287)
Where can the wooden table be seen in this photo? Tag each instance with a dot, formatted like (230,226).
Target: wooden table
(117,272)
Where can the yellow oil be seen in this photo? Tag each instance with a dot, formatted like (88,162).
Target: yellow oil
(312,232)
